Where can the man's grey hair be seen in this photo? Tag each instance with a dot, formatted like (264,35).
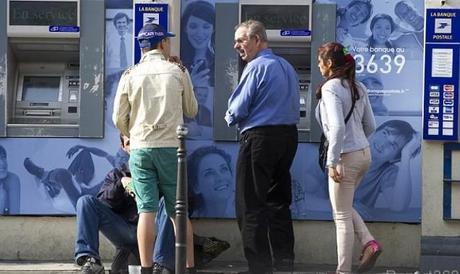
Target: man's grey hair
(255,28)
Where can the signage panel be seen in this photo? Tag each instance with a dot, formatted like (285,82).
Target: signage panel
(440,119)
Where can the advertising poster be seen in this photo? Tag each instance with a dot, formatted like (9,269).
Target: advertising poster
(197,54)
(385,38)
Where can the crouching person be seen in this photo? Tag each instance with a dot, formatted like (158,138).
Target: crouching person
(114,213)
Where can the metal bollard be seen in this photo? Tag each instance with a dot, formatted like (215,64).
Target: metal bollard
(181,202)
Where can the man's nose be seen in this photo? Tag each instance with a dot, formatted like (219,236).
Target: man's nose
(235,45)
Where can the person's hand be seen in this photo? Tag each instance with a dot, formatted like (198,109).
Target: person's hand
(335,174)
(127,185)
(175,59)
(126,181)
(412,148)
(200,77)
(73,150)
(178,62)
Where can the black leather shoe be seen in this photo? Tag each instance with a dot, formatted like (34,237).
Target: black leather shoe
(190,270)
(146,270)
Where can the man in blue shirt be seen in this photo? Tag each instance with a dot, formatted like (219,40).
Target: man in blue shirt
(265,106)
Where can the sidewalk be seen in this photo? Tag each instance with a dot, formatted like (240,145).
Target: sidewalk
(216,267)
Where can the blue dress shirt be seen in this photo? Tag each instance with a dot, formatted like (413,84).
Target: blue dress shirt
(268,94)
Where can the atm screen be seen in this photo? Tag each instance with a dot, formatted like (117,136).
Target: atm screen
(41,88)
(43,13)
(278,16)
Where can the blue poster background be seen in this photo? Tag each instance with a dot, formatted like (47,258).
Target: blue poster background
(391,190)
(386,40)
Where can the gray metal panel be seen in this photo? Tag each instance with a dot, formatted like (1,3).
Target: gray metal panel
(28,131)
(323,30)
(3,76)
(226,71)
(440,253)
(92,35)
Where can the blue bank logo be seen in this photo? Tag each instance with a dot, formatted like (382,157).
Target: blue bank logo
(64,29)
(443,25)
(151,18)
(295,32)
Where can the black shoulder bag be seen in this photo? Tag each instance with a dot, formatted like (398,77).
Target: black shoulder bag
(324,143)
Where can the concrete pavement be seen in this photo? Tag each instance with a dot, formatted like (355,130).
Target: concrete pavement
(215,267)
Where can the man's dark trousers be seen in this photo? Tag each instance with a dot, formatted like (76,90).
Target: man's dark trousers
(263,194)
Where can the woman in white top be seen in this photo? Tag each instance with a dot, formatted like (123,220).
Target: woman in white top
(348,155)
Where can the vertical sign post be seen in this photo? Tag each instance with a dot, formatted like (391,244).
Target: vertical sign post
(441,86)
(156,13)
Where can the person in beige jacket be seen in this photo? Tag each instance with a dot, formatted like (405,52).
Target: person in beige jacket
(151,100)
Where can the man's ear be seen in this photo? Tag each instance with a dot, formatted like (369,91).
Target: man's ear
(257,37)
(161,44)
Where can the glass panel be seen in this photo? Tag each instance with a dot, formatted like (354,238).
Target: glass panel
(41,88)
(277,16)
(43,13)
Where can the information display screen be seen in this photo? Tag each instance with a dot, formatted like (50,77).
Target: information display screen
(43,13)
(41,88)
(277,16)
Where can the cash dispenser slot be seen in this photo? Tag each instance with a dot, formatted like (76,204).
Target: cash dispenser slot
(39,112)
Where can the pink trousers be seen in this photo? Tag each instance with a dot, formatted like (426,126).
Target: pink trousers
(352,166)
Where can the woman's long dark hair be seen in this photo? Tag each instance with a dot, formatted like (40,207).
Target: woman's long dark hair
(343,67)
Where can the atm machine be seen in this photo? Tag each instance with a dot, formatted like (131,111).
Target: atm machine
(288,27)
(295,29)
(54,72)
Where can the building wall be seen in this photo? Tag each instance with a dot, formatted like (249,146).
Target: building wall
(52,238)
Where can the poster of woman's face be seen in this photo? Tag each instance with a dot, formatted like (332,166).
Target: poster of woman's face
(211,180)
(197,54)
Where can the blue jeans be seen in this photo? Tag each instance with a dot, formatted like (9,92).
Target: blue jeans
(94,216)
(164,252)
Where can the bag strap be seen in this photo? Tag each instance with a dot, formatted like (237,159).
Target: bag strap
(353,101)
